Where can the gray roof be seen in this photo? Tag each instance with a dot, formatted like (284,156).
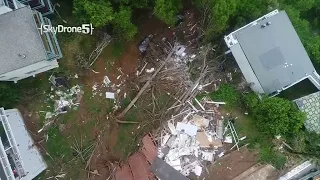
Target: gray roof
(275,52)
(33,163)
(4,9)
(19,38)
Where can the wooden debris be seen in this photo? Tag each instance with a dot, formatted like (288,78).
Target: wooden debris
(147,84)
(95,53)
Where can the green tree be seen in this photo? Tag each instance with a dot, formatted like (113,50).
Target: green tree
(248,11)
(277,116)
(97,12)
(133,3)
(219,12)
(167,10)
(115,13)
(122,24)
(310,41)
(300,5)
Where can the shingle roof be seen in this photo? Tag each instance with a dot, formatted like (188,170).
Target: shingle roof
(20,42)
(275,52)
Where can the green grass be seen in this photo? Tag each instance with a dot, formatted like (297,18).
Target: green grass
(245,126)
(269,155)
(57,145)
(127,142)
(163,100)
(125,102)
(117,49)
(112,53)
(67,117)
(225,93)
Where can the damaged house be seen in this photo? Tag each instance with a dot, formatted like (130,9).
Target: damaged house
(24,49)
(19,157)
(271,55)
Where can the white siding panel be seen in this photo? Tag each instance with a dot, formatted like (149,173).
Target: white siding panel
(246,69)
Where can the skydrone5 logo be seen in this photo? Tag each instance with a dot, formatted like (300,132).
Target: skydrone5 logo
(84,28)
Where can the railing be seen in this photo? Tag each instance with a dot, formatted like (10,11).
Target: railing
(315,79)
(10,4)
(5,163)
(12,142)
(3,156)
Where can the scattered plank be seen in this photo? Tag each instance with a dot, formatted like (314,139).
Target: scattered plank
(146,85)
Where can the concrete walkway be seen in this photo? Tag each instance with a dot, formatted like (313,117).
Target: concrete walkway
(310,104)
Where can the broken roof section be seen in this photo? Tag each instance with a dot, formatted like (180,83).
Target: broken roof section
(270,53)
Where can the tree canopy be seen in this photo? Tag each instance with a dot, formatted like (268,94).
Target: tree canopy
(167,10)
(115,13)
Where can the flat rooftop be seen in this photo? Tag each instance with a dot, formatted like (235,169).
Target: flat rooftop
(20,42)
(274,52)
(32,160)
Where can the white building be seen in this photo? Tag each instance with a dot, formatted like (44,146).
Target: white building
(24,51)
(19,157)
(271,55)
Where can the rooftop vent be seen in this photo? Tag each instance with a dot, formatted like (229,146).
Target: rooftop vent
(23,56)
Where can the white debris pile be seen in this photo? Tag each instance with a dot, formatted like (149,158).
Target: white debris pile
(64,99)
(190,140)
(99,88)
(181,57)
(112,90)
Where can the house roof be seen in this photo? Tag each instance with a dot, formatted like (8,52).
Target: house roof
(20,41)
(274,52)
(4,9)
(33,163)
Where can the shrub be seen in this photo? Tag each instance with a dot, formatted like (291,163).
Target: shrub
(251,101)
(269,155)
(277,116)
(313,143)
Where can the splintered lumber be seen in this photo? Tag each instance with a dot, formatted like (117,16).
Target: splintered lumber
(96,53)
(146,85)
